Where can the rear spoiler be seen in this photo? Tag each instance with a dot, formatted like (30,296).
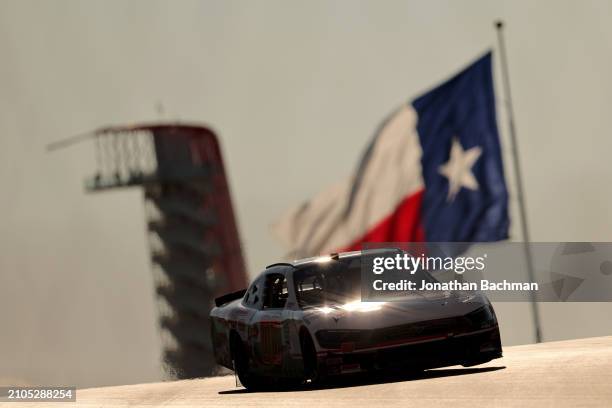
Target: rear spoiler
(221,300)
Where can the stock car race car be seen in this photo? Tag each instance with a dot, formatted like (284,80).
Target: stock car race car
(304,321)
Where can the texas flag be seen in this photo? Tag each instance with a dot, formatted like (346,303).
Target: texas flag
(433,172)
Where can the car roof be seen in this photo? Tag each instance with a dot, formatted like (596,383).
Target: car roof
(299,263)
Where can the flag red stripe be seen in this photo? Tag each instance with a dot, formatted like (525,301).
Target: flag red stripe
(402,225)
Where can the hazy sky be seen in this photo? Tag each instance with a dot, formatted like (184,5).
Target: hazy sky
(294,91)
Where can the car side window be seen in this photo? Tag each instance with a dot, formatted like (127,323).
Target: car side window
(275,291)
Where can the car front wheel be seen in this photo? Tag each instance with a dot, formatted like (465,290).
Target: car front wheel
(309,357)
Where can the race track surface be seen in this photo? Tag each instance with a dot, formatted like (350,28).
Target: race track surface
(576,373)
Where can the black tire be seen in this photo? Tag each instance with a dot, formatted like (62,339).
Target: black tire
(240,358)
(288,384)
(309,357)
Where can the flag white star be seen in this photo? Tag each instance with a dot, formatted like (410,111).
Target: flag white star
(458,169)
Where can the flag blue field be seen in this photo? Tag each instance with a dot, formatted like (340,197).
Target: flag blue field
(465,195)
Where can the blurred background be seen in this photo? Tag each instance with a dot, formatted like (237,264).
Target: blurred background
(294,91)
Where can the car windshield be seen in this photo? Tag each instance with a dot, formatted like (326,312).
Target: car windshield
(328,283)
(336,282)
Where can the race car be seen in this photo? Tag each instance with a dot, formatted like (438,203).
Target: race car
(304,321)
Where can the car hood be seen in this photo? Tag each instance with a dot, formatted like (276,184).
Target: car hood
(419,308)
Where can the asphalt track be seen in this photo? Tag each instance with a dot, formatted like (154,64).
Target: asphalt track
(575,373)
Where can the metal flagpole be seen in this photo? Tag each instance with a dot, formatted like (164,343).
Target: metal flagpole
(499,25)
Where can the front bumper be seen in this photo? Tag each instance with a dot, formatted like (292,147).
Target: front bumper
(465,349)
